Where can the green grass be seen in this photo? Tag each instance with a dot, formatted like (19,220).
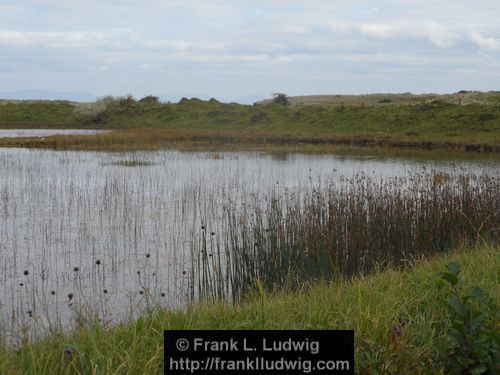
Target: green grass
(411,299)
(37,113)
(421,124)
(378,99)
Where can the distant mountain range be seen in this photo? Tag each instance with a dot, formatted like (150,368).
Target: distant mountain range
(87,97)
(48,95)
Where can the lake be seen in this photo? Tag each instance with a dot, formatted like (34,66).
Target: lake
(86,233)
(38,133)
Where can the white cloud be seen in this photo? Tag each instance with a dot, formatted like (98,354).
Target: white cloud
(487,44)
(378,30)
(441,36)
(56,39)
(334,39)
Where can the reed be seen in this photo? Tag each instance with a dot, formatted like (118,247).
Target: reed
(344,229)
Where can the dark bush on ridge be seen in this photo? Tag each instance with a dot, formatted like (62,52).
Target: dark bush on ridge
(345,229)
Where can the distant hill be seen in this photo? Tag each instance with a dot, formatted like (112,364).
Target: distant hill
(84,97)
(247,99)
(47,95)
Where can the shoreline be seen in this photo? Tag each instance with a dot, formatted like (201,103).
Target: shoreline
(156,139)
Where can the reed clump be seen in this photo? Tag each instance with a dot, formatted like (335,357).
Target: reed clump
(347,228)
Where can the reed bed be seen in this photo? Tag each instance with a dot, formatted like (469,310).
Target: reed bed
(346,228)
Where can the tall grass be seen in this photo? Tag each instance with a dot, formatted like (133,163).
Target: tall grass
(345,229)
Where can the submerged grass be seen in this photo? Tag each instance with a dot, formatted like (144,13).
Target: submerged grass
(372,305)
(132,163)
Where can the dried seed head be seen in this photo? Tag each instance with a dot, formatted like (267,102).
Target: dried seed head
(162,294)
(184,272)
(141,291)
(148,255)
(53,292)
(203,227)
(21,284)
(26,272)
(105,291)
(30,313)
(76,269)
(138,272)
(97,262)
(212,233)
(70,296)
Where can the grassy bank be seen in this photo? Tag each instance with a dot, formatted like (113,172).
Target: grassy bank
(146,124)
(372,306)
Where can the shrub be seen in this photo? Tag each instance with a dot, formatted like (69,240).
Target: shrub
(151,99)
(93,112)
(474,332)
(280,98)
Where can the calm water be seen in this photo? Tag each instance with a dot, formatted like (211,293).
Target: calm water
(128,230)
(13,133)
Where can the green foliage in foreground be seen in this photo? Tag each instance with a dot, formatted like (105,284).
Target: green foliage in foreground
(400,320)
(429,121)
(474,329)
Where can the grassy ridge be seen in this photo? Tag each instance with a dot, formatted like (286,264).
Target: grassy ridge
(434,124)
(412,300)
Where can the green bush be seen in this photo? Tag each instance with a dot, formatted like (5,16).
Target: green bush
(89,113)
(151,99)
(280,98)
(474,331)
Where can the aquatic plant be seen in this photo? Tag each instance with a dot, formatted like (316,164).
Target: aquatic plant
(347,228)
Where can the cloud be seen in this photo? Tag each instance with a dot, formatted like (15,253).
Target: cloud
(60,40)
(441,35)
(285,41)
(378,30)
(487,44)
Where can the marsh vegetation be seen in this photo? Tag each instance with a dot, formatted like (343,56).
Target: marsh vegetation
(343,228)
(90,238)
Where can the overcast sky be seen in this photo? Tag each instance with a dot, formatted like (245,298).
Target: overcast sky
(234,48)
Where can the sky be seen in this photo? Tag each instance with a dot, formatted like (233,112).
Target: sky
(230,49)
